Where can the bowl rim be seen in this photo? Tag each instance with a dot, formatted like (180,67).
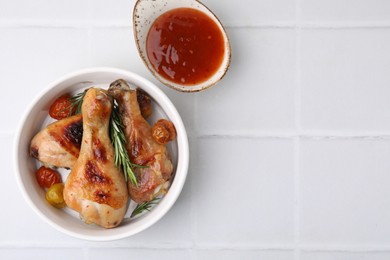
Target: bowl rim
(182,162)
(202,85)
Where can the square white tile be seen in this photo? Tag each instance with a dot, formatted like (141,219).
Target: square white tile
(257,94)
(345,76)
(252,12)
(243,191)
(344,192)
(104,13)
(345,10)
(44,11)
(31,58)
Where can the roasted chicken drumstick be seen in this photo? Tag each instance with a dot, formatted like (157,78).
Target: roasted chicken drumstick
(95,187)
(153,180)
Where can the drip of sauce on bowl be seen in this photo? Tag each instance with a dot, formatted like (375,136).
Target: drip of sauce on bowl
(185,46)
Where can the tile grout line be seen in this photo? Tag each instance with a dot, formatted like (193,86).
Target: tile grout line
(298,73)
(89,46)
(297,123)
(261,25)
(88,246)
(307,25)
(297,202)
(193,221)
(341,248)
(194,139)
(266,247)
(314,136)
(89,33)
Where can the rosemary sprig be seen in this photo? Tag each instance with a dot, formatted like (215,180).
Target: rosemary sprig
(144,206)
(76,102)
(119,142)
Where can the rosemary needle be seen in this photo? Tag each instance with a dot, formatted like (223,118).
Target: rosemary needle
(144,206)
(76,102)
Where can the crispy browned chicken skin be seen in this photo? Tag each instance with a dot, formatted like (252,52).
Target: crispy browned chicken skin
(59,143)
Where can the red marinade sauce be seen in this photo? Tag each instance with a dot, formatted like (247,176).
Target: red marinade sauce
(185,46)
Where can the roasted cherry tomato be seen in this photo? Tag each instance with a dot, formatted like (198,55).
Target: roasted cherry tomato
(62,107)
(163,131)
(55,196)
(46,177)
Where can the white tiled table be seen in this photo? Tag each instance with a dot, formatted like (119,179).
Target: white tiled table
(290,153)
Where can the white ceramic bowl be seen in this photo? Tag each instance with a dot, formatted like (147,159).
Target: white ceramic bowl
(36,117)
(147,11)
